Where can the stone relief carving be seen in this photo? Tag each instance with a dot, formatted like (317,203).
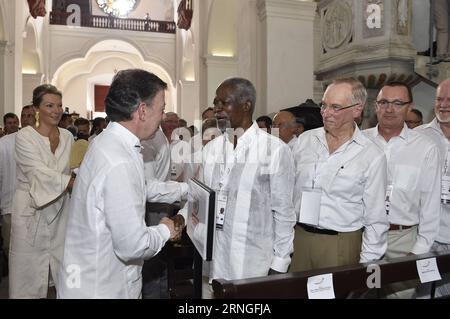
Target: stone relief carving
(336,25)
(402,17)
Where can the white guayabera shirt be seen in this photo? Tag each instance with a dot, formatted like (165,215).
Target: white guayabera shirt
(434,131)
(414,173)
(258,229)
(352,183)
(107,239)
(7,172)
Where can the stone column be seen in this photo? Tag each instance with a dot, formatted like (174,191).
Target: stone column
(2,78)
(286,53)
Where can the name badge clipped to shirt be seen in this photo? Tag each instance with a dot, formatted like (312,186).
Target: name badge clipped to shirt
(445,189)
(387,201)
(221,208)
(173,170)
(310,207)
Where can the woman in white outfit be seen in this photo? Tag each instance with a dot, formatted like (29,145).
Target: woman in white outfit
(39,207)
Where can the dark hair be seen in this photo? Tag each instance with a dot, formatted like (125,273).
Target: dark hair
(401,84)
(242,91)
(128,90)
(9,116)
(26,107)
(41,90)
(267,120)
(96,125)
(81,121)
(418,113)
(64,116)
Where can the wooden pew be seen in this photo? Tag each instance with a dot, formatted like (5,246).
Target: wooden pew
(346,279)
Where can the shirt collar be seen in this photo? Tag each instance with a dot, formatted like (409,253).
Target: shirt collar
(434,124)
(248,136)
(404,134)
(125,135)
(358,137)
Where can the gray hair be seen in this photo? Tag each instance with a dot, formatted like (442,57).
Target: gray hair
(243,91)
(359,92)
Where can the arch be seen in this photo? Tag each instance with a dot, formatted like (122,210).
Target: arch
(113,45)
(98,66)
(94,43)
(31,61)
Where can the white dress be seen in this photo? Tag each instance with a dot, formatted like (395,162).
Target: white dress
(39,212)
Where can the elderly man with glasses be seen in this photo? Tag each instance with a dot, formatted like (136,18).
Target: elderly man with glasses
(340,186)
(413,192)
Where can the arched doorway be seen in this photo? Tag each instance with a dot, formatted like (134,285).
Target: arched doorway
(78,78)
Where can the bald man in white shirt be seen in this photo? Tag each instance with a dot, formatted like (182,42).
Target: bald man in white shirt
(340,187)
(439,131)
(252,173)
(285,126)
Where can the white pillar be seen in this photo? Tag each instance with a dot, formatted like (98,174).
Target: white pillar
(3,101)
(286,60)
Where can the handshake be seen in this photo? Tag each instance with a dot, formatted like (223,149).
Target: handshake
(175,225)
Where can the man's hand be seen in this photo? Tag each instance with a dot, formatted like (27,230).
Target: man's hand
(179,224)
(171,225)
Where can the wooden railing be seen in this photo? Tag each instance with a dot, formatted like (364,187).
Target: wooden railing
(105,22)
(346,279)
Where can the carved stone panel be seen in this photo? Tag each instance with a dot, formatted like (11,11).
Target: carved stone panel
(337,26)
(373,20)
(403,7)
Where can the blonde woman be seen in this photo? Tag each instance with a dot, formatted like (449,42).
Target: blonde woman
(39,207)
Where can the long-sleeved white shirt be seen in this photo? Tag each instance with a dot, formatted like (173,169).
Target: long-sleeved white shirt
(352,181)
(258,229)
(7,172)
(156,156)
(434,131)
(107,239)
(415,176)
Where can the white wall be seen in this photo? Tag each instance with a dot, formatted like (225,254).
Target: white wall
(424,96)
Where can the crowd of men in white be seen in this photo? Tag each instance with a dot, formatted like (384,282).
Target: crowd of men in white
(331,196)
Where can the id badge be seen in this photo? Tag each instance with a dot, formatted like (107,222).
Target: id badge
(310,207)
(221,209)
(445,189)
(387,202)
(173,170)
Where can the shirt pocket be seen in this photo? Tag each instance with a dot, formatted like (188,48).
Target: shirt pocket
(406,177)
(349,183)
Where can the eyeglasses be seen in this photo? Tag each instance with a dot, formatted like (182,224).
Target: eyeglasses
(335,107)
(397,104)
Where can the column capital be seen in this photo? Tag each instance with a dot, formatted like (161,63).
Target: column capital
(288,9)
